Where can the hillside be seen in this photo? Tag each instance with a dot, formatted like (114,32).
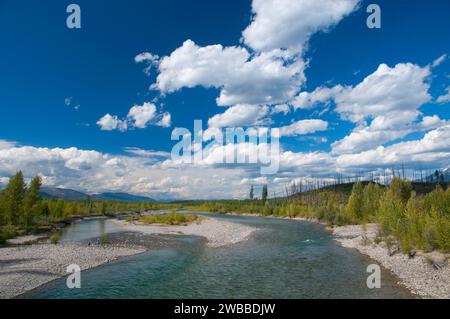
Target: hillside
(72,195)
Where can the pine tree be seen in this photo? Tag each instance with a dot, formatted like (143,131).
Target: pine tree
(264,193)
(13,197)
(252,193)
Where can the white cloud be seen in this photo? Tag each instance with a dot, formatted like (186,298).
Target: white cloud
(6,144)
(110,123)
(281,108)
(433,148)
(141,115)
(303,127)
(166,120)
(401,88)
(94,172)
(289,24)
(307,100)
(241,78)
(389,99)
(439,61)
(151,60)
(262,180)
(146,57)
(239,115)
(444,98)
(146,153)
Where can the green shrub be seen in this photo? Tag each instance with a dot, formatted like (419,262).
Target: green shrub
(104,239)
(172,218)
(7,232)
(55,238)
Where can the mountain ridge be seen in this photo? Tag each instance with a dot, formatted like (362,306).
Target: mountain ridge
(73,195)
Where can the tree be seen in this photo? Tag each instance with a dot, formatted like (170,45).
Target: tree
(355,203)
(401,189)
(264,193)
(372,194)
(32,200)
(252,193)
(13,197)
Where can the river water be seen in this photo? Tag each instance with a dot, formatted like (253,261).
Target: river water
(283,259)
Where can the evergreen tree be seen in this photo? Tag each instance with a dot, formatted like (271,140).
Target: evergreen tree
(252,193)
(13,197)
(264,193)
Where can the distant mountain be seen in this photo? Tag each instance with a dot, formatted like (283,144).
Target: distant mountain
(72,195)
(66,194)
(439,176)
(121,197)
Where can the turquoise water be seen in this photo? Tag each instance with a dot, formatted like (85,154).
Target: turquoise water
(284,259)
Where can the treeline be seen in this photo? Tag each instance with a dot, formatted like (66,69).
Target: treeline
(22,210)
(416,221)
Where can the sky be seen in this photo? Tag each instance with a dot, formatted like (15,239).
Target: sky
(93,109)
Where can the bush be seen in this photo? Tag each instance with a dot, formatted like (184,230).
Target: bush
(7,232)
(172,218)
(55,239)
(104,239)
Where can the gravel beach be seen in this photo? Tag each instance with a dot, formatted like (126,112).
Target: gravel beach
(27,267)
(217,233)
(427,275)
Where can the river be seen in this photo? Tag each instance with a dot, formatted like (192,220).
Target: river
(283,259)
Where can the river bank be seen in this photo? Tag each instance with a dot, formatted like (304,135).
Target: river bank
(217,233)
(427,275)
(25,268)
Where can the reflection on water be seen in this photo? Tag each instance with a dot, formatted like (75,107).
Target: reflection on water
(284,259)
(88,229)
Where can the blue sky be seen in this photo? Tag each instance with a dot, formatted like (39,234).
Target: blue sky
(57,83)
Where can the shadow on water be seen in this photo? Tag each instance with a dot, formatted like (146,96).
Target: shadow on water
(283,259)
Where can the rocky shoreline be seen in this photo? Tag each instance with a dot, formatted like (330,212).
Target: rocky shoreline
(24,268)
(426,275)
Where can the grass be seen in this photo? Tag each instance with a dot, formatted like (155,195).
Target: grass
(172,218)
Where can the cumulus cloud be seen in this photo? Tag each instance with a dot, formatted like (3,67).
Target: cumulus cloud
(433,148)
(401,88)
(165,121)
(303,127)
(239,115)
(110,123)
(307,100)
(289,24)
(241,78)
(281,108)
(444,98)
(139,116)
(93,171)
(384,106)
